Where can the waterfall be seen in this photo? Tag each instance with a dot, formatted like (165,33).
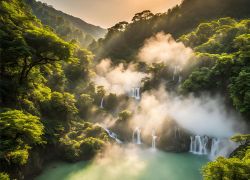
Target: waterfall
(219,146)
(214,147)
(101,106)
(135,93)
(175,71)
(199,145)
(137,136)
(112,135)
(154,137)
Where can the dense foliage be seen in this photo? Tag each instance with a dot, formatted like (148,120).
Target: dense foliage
(4,176)
(81,142)
(18,133)
(66,26)
(222,49)
(45,90)
(124,39)
(46,95)
(235,167)
(222,55)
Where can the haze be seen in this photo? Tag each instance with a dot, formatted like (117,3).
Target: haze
(106,13)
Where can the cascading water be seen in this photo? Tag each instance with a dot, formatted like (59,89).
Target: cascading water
(218,147)
(137,136)
(113,135)
(101,105)
(135,93)
(199,145)
(214,147)
(154,137)
(175,71)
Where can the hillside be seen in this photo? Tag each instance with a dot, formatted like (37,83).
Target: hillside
(173,89)
(66,26)
(124,39)
(38,74)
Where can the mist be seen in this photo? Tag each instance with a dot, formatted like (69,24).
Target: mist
(204,115)
(162,48)
(118,79)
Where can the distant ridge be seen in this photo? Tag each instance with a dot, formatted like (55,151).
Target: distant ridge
(65,25)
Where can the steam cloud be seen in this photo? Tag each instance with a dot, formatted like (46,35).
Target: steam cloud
(113,163)
(162,48)
(205,115)
(201,116)
(118,80)
(151,112)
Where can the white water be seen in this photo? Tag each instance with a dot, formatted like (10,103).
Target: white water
(135,93)
(176,72)
(219,146)
(101,106)
(199,145)
(113,135)
(154,137)
(214,147)
(154,142)
(137,136)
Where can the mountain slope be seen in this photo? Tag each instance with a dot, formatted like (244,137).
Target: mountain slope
(66,26)
(123,43)
(41,77)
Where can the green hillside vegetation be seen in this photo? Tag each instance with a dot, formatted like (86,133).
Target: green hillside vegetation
(124,39)
(47,99)
(66,26)
(234,167)
(222,47)
(41,77)
(221,65)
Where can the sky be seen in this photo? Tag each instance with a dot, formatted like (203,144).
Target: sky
(106,13)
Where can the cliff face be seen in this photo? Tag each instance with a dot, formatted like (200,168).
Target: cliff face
(170,139)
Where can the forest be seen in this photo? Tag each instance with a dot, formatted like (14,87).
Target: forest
(50,97)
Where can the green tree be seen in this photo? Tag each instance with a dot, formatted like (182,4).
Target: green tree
(84,103)
(241,138)
(227,169)
(144,15)
(18,133)
(124,115)
(61,106)
(240,91)
(4,176)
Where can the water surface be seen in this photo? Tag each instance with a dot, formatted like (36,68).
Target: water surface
(130,164)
